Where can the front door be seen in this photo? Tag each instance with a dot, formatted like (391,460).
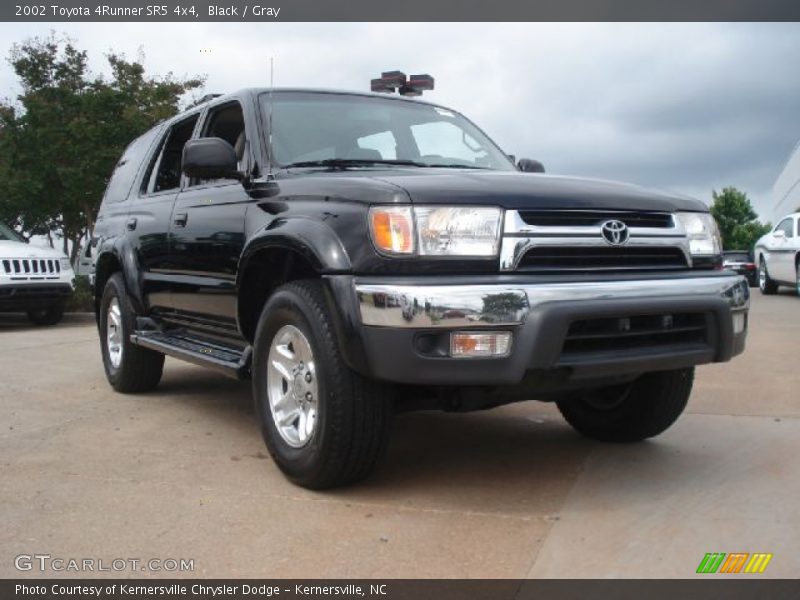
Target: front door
(207,233)
(782,249)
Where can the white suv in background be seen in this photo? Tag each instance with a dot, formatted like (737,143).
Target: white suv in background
(778,256)
(33,280)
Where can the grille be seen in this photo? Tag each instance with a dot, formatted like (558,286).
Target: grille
(590,218)
(31,266)
(638,332)
(579,258)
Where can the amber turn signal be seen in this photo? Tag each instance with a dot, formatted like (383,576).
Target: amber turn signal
(392,229)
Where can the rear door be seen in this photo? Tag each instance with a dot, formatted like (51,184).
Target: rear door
(207,230)
(149,218)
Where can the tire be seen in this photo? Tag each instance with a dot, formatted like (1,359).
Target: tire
(350,415)
(132,368)
(765,284)
(797,277)
(51,315)
(630,412)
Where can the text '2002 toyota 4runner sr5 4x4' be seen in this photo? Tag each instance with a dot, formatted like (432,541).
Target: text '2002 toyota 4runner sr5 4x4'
(358,254)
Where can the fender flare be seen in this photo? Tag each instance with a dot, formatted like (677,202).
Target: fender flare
(312,239)
(317,243)
(123,254)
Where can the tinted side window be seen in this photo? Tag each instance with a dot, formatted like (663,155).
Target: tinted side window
(227,122)
(786,227)
(164,171)
(119,186)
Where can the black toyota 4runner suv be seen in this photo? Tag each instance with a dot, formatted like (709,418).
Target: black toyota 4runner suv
(357,254)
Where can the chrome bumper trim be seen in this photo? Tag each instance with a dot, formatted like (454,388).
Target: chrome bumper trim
(454,306)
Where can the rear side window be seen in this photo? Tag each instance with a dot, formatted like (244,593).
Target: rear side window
(164,171)
(119,186)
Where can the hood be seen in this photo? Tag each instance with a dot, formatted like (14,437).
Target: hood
(12,249)
(515,190)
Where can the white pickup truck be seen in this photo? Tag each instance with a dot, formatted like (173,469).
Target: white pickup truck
(778,256)
(33,280)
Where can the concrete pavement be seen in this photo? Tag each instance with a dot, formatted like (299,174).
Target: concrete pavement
(512,492)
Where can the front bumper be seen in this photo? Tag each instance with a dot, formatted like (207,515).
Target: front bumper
(405,326)
(19,297)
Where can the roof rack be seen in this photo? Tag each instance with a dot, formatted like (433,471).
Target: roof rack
(206,98)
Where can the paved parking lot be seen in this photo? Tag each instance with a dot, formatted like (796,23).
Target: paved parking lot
(513,492)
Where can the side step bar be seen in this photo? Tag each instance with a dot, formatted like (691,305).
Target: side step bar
(227,360)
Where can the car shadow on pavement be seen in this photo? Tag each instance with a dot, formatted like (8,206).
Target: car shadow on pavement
(20,322)
(510,460)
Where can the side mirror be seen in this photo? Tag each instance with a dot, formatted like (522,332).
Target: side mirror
(779,234)
(527,165)
(210,158)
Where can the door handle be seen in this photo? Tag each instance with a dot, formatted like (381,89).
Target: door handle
(131,224)
(180,219)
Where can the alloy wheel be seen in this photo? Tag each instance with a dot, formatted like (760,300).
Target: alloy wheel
(114,333)
(292,386)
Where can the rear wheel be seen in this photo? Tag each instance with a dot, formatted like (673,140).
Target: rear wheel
(129,368)
(50,315)
(323,424)
(631,412)
(765,284)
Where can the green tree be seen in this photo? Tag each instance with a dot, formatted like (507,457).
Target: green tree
(60,140)
(736,219)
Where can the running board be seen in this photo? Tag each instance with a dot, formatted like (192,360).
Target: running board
(224,359)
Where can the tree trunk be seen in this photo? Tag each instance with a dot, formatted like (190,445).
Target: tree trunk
(76,247)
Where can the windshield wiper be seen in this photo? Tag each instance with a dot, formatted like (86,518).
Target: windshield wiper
(343,163)
(456,166)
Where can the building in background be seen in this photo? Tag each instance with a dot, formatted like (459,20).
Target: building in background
(786,191)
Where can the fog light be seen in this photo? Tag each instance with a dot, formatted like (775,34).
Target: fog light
(467,344)
(739,322)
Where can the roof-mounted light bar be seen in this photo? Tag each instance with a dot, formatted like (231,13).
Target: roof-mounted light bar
(396,81)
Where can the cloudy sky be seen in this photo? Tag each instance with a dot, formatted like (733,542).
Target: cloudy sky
(687,107)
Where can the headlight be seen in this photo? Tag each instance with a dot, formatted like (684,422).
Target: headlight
(65,265)
(702,231)
(437,230)
(458,230)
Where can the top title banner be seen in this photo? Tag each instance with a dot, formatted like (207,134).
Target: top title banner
(398,10)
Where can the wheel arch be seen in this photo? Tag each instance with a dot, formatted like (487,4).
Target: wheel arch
(113,259)
(285,251)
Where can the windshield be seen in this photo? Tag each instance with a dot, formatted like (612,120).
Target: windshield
(8,234)
(309,127)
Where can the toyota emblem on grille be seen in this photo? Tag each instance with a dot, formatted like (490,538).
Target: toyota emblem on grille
(615,232)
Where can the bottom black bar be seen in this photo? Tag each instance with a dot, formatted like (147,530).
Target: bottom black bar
(401,589)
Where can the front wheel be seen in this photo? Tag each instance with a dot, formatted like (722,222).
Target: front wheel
(51,315)
(323,424)
(631,412)
(797,278)
(765,284)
